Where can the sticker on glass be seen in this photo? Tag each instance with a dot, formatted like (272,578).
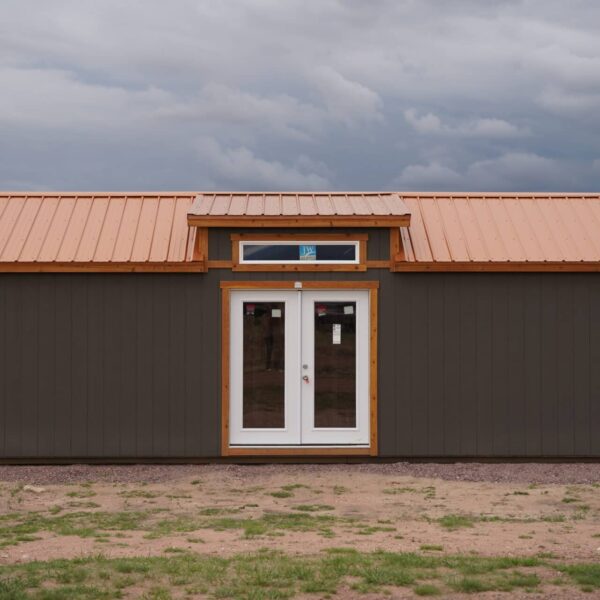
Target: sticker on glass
(349,310)
(308,252)
(250,309)
(276,313)
(337,333)
(321,310)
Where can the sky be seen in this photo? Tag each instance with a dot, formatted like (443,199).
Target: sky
(300,95)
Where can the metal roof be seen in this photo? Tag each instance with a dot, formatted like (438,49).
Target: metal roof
(324,207)
(95,228)
(451,230)
(502,228)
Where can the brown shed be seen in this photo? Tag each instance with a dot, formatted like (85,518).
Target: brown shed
(200,325)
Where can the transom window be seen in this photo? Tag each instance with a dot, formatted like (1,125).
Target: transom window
(258,252)
(270,251)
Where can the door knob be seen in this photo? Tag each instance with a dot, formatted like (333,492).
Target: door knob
(305,378)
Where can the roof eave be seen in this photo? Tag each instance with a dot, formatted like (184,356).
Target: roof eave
(299,221)
(496,266)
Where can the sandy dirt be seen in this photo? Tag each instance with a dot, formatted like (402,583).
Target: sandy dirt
(378,507)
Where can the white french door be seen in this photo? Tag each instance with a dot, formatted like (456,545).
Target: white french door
(299,368)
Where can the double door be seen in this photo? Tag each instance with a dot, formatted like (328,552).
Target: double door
(299,371)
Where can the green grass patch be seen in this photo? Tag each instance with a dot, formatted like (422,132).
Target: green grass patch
(426,589)
(270,575)
(138,494)
(313,507)
(453,522)
(81,494)
(587,576)
(280,494)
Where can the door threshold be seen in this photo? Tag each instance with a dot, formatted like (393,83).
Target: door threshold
(298,451)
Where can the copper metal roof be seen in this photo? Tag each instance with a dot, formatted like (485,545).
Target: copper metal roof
(298,208)
(135,231)
(95,229)
(502,228)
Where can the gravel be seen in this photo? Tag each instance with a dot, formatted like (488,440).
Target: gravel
(495,472)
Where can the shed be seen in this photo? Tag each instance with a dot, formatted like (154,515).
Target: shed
(200,325)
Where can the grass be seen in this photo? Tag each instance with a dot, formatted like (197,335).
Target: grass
(81,494)
(15,528)
(22,527)
(454,522)
(138,494)
(268,574)
(460,521)
(313,507)
(271,522)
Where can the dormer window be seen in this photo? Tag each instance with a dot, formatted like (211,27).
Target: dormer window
(301,252)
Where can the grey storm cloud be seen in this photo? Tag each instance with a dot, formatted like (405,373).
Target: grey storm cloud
(301,94)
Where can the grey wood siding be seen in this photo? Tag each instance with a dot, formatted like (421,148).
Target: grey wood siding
(470,364)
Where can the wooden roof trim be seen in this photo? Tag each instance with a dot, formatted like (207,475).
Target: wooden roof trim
(504,267)
(300,221)
(104,267)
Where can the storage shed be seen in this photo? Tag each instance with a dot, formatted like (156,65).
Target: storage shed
(192,326)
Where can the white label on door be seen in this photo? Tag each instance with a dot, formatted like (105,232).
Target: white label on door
(349,310)
(276,313)
(337,333)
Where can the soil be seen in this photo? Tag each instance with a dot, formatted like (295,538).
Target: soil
(518,509)
(495,472)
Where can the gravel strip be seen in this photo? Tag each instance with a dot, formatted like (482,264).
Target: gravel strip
(542,473)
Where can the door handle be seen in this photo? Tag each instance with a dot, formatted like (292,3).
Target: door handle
(305,378)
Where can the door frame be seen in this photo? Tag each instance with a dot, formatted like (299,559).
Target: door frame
(226,288)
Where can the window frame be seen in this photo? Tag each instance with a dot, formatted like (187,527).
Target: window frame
(240,239)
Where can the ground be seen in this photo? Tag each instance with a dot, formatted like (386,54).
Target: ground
(313,531)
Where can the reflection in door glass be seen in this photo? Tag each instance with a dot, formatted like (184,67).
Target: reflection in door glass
(264,368)
(335,364)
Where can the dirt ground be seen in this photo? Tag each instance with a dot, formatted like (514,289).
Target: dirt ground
(396,512)
(488,510)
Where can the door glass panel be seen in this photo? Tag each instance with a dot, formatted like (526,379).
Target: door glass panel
(264,367)
(335,364)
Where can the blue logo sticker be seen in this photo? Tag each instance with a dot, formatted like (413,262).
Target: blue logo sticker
(308,253)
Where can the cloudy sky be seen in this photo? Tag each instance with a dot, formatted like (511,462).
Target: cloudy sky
(301,95)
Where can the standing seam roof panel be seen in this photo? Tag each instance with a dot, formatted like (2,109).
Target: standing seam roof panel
(162,230)
(57,229)
(127,230)
(145,232)
(37,235)
(74,231)
(110,230)
(177,244)
(588,220)
(21,229)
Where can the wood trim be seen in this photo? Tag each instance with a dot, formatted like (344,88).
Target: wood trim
(379,264)
(397,253)
(373,386)
(226,450)
(301,221)
(498,267)
(317,237)
(225,348)
(200,252)
(219,264)
(227,264)
(306,285)
(195,266)
(299,267)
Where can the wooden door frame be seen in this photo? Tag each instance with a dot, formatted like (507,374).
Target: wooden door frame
(226,288)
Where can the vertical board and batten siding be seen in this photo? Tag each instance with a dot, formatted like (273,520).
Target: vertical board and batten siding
(127,366)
